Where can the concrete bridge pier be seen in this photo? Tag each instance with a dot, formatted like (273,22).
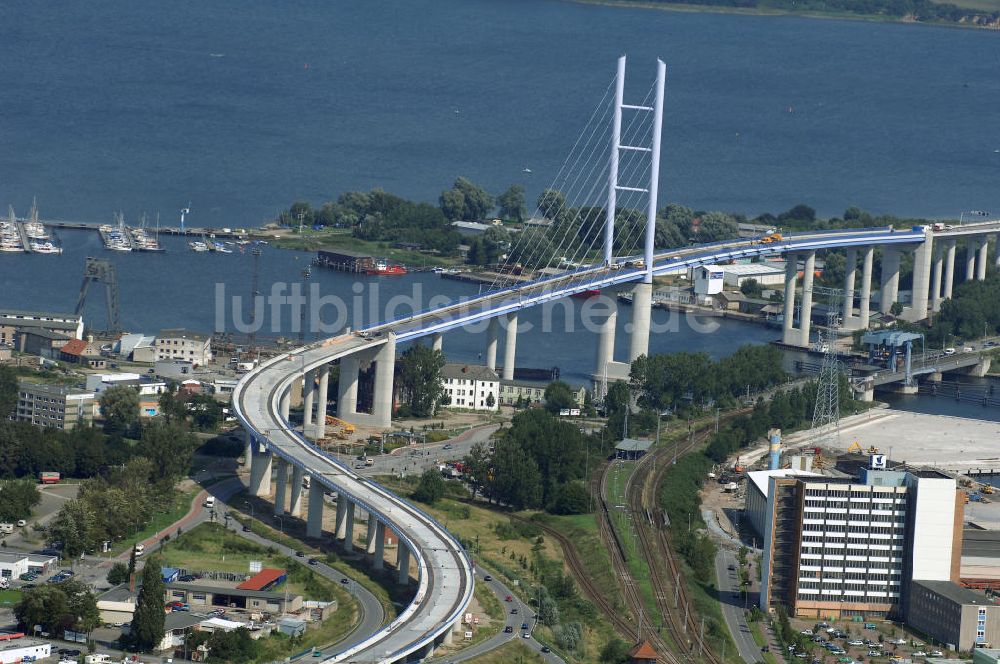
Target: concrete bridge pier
(322,399)
(996,259)
(642,310)
(295,500)
(865,303)
(606,341)
(370,536)
(970,259)
(437,341)
(938,266)
(314,522)
(378,561)
(348,527)
(492,331)
(347,387)
(385,368)
(805,315)
(850,275)
(921,279)
(260,471)
(341,526)
(890,279)
(984,247)
(247,450)
(308,398)
(510,347)
(791,274)
(280,487)
(949,268)
(403,563)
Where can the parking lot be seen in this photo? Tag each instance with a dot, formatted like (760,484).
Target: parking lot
(846,642)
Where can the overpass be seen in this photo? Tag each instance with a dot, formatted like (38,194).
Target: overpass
(443,570)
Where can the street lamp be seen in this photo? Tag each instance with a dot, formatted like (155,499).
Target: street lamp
(281,523)
(250,505)
(978,213)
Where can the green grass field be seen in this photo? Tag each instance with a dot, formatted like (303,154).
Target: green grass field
(9,597)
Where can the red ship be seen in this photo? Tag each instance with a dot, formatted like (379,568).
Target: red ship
(383,268)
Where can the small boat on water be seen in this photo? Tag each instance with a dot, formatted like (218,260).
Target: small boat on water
(198,245)
(45,248)
(382,268)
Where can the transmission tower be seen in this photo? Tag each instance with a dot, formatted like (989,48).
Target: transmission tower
(101,271)
(254,292)
(826,414)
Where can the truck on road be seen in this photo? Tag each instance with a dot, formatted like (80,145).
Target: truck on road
(49,477)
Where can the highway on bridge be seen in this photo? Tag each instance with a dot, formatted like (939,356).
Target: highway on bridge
(445,573)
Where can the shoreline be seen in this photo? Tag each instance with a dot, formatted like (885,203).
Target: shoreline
(772,12)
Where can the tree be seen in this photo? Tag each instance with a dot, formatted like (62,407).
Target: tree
(466,200)
(490,400)
(717,226)
(559,395)
(571,498)
(751,288)
(551,203)
(431,487)
(420,379)
(118,573)
(148,621)
(8,391)
(17,497)
(120,408)
(896,309)
(172,405)
(615,652)
(511,203)
(57,607)
(170,447)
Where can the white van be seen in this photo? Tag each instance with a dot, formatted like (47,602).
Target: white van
(139,548)
(98,659)
(6,528)
(210,502)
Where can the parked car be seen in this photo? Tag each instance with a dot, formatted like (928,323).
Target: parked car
(524,625)
(508,598)
(874,653)
(949,351)
(855,642)
(936,653)
(806,632)
(513,611)
(919,653)
(313,561)
(509,629)
(546,649)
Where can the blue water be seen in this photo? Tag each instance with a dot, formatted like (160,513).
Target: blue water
(240,107)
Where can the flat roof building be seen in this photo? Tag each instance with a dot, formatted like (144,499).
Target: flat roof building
(54,406)
(961,618)
(200,596)
(180,344)
(69,324)
(844,547)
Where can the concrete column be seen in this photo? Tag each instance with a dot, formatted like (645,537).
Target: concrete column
(260,472)
(385,368)
(996,259)
(322,398)
(949,268)
(403,563)
(449,638)
(349,529)
(938,266)
(642,310)
(285,402)
(970,259)
(890,279)
(341,526)
(791,274)
(370,536)
(437,341)
(314,522)
(247,450)
(805,315)
(280,488)
(295,501)
(510,347)
(984,247)
(491,343)
(921,279)
(347,388)
(379,559)
(850,271)
(308,397)
(606,341)
(866,288)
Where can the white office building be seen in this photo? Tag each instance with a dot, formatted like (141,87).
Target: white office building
(193,347)
(844,547)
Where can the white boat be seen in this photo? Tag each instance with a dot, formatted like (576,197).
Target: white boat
(198,245)
(45,248)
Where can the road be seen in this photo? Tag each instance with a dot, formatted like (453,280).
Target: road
(731,602)
(514,620)
(415,459)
